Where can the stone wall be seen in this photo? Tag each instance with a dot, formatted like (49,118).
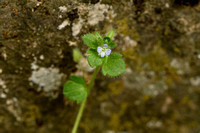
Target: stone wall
(160,42)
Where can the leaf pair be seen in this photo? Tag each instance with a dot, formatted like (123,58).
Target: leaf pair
(113,65)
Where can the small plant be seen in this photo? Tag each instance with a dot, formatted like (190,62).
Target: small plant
(99,54)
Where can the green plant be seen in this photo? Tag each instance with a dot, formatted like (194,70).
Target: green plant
(100,54)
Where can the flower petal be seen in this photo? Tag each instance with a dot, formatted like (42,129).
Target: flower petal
(105,45)
(99,49)
(102,54)
(108,51)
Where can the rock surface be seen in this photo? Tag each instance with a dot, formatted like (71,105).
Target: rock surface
(160,42)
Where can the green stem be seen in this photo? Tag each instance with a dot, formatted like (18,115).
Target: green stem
(92,80)
(78,118)
(80,112)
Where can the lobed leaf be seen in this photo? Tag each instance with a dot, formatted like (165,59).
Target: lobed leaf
(78,80)
(114,66)
(75,91)
(93,58)
(99,39)
(112,44)
(115,55)
(90,40)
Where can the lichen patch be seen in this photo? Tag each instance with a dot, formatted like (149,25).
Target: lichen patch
(63,9)
(47,79)
(76,27)
(63,24)
(2,84)
(96,13)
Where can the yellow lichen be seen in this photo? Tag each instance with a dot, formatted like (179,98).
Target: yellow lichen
(156,60)
(125,28)
(31,115)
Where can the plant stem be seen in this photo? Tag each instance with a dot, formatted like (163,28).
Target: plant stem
(80,112)
(78,118)
(92,80)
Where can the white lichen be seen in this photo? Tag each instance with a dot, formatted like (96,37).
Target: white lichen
(47,79)
(34,66)
(2,84)
(41,57)
(198,56)
(71,43)
(4,54)
(167,5)
(13,108)
(154,124)
(63,25)
(182,66)
(140,81)
(128,43)
(3,95)
(111,15)
(76,27)
(195,81)
(63,8)
(97,11)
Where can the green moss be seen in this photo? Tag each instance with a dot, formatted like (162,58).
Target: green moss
(156,60)
(1,119)
(116,121)
(126,28)
(31,115)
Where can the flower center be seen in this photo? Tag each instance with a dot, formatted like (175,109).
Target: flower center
(103,50)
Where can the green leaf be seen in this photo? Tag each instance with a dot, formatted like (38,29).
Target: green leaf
(77,55)
(74,91)
(112,44)
(106,40)
(99,39)
(91,51)
(90,40)
(114,65)
(98,35)
(115,55)
(110,34)
(78,80)
(93,58)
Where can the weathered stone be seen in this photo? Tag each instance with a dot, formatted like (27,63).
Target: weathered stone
(159,40)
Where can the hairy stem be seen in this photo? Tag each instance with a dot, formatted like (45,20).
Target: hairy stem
(80,112)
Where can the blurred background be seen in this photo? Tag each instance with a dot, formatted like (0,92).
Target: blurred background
(158,93)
